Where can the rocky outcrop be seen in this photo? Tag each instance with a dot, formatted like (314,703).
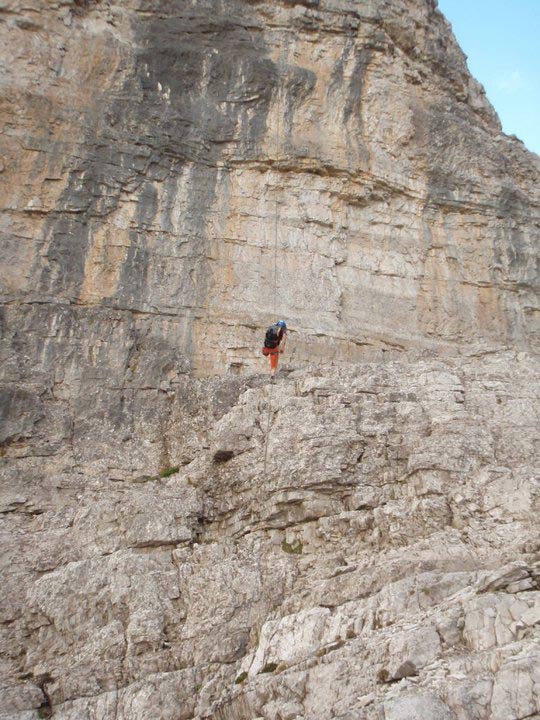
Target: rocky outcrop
(180,539)
(386,564)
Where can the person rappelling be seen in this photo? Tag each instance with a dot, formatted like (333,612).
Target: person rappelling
(274,343)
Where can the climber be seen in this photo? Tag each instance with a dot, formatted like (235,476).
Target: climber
(274,343)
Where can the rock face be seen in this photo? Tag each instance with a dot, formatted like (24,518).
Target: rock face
(149,145)
(180,539)
(384,565)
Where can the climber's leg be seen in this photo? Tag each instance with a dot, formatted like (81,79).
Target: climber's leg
(274,355)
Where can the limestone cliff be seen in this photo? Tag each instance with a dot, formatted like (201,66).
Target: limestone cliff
(174,174)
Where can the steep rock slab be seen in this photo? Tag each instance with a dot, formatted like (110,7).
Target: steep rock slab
(386,564)
(391,554)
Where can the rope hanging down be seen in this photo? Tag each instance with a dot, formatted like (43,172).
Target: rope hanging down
(268,419)
(276,203)
(277,144)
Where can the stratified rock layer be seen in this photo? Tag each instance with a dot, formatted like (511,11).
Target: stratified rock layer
(179,539)
(149,145)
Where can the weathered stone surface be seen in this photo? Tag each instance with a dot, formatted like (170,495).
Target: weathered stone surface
(179,539)
(146,146)
(347,579)
(417,707)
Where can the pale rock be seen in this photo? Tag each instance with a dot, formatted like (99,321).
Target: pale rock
(181,539)
(516,685)
(417,707)
(410,651)
(532,616)
(503,577)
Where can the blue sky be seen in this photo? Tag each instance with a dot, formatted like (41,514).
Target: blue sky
(502,42)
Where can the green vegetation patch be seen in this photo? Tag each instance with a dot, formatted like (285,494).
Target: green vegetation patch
(241,678)
(293,548)
(169,471)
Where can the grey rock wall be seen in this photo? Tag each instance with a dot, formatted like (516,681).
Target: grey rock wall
(178,539)
(147,145)
(385,563)
(166,165)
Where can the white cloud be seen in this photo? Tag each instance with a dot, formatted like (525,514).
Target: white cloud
(511,83)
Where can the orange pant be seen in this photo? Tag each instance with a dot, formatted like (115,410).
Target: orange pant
(274,356)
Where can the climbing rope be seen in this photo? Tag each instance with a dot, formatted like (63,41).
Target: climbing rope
(277,144)
(268,420)
(276,203)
